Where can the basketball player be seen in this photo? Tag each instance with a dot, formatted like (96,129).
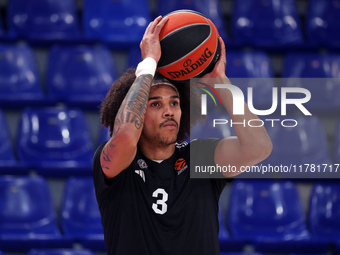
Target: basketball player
(148,203)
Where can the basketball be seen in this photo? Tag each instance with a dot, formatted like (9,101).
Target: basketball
(190,46)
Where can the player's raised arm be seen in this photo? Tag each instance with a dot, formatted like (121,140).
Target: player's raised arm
(251,144)
(120,150)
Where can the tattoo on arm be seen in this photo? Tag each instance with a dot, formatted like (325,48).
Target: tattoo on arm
(105,167)
(134,105)
(106,154)
(132,110)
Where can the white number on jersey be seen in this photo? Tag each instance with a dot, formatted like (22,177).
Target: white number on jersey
(160,207)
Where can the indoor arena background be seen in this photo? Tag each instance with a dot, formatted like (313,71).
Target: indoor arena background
(58,59)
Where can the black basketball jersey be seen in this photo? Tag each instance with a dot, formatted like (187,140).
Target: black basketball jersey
(154,208)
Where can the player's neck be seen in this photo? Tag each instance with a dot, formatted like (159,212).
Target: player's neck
(153,152)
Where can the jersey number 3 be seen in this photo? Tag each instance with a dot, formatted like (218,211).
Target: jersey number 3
(160,207)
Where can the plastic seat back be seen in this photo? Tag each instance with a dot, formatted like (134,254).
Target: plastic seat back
(80,75)
(6,149)
(266,209)
(60,252)
(19,77)
(297,145)
(112,21)
(80,217)
(55,141)
(26,201)
(210,8)
(266,23)
(27,217)
(8,161)
(252,70)
(311,65)
(324,210)
(322,23)
(43,20)
(254,64)
(325,90)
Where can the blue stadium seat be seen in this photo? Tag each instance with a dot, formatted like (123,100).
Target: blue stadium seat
(324,209)
(266,23)
(210,8)
(60,252)
(120,23)
(325,91)
(80,76)
(27,217)
(19,77)
(252,69)
(80,217)
(337,143)
(306,143)
(307,65)
(322,23)
(269,213)
(43,21)
(55,142)
(8,162)
(248,64)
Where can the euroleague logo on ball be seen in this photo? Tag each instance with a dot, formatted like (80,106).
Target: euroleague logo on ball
(187,63)
(180,165)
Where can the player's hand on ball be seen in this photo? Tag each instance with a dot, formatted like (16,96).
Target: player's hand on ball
(150,45)
(220,66)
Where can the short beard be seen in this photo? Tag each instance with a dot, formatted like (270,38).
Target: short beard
(163,141)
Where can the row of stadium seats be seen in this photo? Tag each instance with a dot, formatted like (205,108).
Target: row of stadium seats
(89,252)
(298,141)
(78,75)
(28,218)
(81,75)
(57,142)
(58,252)
(267,214)
(258,23)
(53,141)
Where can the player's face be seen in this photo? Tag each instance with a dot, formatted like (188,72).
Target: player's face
(163,115)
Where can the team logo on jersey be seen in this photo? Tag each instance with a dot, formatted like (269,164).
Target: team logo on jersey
(142,164)
(180,165)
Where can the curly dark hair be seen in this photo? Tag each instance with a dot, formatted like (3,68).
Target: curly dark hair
(118,90)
